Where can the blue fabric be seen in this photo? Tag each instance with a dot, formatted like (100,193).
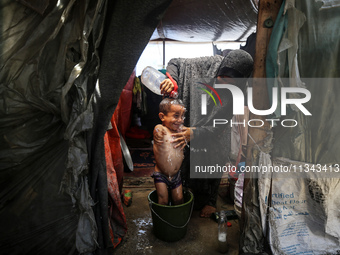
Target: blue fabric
(272,68)
(175,181)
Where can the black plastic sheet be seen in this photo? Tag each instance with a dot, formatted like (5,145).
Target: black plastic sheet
(47,63)
(53,117)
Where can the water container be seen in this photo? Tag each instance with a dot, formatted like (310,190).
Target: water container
(170,222)
(152,79)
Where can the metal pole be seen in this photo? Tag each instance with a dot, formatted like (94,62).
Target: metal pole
(163,53)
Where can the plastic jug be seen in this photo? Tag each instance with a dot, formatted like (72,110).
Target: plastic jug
(152,79)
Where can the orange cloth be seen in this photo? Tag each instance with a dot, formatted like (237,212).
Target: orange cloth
(114,162)
(117,219)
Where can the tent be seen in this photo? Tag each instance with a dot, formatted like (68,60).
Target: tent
(64,65)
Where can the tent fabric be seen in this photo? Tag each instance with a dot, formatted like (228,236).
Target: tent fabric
(45,112)
(54,115)
(315,140)
(313,37)
(202,21)
(307,54)
(122,46)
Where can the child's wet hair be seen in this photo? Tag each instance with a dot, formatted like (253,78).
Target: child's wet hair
(165,104)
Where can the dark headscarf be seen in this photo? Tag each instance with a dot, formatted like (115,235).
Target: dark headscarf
(237,64)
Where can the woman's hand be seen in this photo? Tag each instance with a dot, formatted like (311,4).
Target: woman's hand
(182,138)
(166,87)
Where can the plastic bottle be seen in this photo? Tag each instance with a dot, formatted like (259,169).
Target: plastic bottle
(152,79)
(222,233)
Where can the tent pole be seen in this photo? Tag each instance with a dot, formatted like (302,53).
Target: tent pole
(163,53)
(267,14)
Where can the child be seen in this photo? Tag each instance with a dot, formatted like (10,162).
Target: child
(168,159)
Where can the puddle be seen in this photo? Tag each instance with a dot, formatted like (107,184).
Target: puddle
(142,230)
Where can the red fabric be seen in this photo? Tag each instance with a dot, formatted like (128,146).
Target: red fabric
(114,162)
(122,114)
(121,120)
(116,153)
(117,219)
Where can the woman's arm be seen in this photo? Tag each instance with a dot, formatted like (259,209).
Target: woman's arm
(172,68)
(181,139)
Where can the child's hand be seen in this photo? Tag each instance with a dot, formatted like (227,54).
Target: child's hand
(182,138)
(166,87)
(158,134)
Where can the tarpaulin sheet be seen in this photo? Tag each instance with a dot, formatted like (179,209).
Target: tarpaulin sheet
(129,29)
(311,52)
(299,215)
(54,187)
(45,111)
(207,21)
(308,221)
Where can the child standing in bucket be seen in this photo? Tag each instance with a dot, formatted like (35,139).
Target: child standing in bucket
(168,159)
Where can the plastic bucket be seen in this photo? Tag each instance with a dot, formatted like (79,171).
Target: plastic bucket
(170,222)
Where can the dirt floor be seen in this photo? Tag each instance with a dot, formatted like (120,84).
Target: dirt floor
(201,236)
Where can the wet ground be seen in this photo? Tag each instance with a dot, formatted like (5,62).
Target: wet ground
(201,236)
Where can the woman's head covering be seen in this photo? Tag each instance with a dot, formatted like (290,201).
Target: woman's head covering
(237,64)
